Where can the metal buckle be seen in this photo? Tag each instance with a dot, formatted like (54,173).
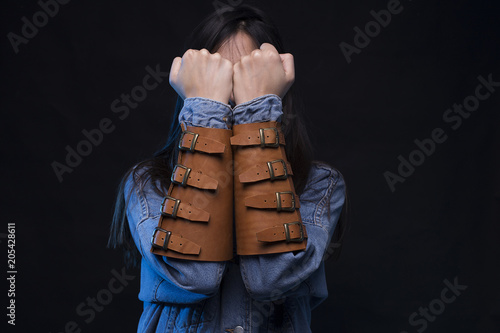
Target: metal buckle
(176,206)
(278,202)
(263,140)
(193,143)
(165,243)
(185,177)
(287,232)
(271,171)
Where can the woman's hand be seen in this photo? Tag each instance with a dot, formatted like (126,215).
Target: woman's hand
(202,74)
(264,71)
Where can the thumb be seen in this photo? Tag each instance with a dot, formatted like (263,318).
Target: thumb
(288,66)
(174,70)
(268,46)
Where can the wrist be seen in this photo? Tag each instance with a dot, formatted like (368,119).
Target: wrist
(249,98)
(219,99)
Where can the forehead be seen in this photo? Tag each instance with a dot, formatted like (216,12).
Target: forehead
(237,46)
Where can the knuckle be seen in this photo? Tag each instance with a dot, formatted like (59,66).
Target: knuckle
(227,63)
(256,51)
(189,53)
(273,54)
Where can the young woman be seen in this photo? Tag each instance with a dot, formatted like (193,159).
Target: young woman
(234,76)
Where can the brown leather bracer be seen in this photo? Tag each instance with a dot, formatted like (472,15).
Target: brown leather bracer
(267,218)
(197,213)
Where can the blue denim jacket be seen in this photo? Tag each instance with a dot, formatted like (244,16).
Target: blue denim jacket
(258,293)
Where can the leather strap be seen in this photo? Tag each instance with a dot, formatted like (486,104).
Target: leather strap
(279,233)
(175,208)
(277,169)
(272,137)
(270,228)
(194,142)
(173,242)
(288,201)
(184,176)
(201,191)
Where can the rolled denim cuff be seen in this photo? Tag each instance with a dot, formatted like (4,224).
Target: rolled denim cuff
(206,112)
(260,109)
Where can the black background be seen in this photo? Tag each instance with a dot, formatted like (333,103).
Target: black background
(441,223)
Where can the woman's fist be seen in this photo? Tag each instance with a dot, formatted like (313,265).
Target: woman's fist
(202,74)
(263,71)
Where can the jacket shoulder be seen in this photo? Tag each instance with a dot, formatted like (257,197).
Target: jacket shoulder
(322,176)
(139,188)
(323,196)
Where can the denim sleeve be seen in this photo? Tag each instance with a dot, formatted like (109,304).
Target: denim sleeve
(206,112)
(275,276)
(193,280)
(261,109)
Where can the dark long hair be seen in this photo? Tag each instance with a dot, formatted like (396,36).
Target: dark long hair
(210,34)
